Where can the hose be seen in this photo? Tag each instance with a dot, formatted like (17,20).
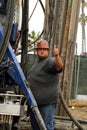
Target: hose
(7,28)
(68,112)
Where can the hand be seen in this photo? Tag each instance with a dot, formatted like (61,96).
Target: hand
(56,51)
(58,60)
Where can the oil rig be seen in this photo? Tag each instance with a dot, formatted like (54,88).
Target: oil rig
(17,54)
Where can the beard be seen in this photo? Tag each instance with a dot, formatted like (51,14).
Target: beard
(42,57)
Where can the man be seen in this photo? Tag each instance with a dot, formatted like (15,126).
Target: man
(43,78)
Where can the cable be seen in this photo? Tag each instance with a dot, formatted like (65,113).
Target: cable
(33,10)
(43,29)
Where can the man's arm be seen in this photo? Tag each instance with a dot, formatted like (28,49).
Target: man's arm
(58,60)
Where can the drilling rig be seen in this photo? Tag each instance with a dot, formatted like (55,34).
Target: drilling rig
(11,75)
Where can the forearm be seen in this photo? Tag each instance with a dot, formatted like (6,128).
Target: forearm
(58,61)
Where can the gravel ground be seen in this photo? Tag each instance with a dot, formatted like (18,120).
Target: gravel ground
(78,108)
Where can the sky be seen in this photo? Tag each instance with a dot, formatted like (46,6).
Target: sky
(37,21)
(79,34)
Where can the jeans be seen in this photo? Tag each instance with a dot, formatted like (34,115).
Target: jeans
(47,113)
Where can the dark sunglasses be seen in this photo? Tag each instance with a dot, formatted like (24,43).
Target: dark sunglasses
(42,48)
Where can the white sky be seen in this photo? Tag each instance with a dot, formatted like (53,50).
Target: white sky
(79,35)
(37,21)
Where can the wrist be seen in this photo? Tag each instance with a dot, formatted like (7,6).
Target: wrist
(57,55)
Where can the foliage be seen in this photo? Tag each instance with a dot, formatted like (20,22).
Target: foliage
(33,35)
(83,18)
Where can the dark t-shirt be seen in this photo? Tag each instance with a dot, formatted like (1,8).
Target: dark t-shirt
(43,78)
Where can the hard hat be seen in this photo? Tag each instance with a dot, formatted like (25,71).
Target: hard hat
(42,44)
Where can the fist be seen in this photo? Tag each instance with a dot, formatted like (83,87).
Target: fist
(56,51)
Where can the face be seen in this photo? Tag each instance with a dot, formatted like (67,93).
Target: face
(42,53)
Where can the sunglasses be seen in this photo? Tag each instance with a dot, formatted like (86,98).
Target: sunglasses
(42,49)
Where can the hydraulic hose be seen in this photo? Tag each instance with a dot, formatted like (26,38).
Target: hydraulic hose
(7,29)
(68,112)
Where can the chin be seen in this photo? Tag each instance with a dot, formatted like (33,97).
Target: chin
(42,57)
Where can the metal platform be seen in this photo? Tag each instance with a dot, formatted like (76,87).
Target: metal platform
(10,104)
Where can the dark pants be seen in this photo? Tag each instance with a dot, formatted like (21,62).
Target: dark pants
(47,112)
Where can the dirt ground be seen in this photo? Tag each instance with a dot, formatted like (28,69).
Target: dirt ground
(78,108)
